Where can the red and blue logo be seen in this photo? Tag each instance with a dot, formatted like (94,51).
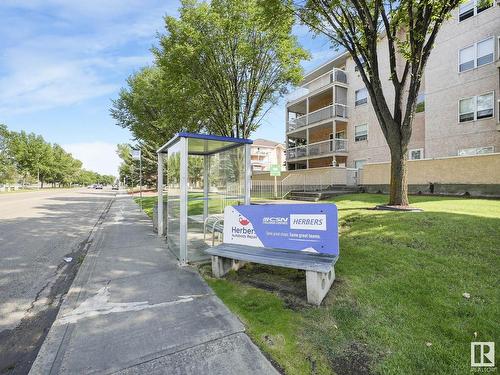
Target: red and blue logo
(243,220)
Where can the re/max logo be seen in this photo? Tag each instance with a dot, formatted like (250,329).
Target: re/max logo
(308,221)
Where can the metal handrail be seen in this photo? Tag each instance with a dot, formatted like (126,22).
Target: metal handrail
(332,110)
(334,145)
(336,75)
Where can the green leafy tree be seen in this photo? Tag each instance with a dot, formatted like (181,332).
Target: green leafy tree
(8,172)
(409,29)
(195,170)
(32,154)
(127,169)
(33,159)
(86,178)
(231,62)
(153,110)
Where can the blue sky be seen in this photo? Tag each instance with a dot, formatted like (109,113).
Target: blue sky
(62,62)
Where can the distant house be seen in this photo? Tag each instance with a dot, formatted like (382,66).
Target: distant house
(265,153)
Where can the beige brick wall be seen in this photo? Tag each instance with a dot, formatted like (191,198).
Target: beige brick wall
(479,169)
(445,86)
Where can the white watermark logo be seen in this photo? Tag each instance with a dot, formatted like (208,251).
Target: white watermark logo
(482,354)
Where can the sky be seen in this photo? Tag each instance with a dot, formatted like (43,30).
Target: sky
(62,62)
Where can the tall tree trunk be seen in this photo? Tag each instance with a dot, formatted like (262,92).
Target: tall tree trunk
(399,177)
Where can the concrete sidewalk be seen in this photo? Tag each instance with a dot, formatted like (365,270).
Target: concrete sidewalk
(132,310)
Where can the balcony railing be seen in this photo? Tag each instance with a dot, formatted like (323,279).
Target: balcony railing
(322,114)
(317,149)
(336,75)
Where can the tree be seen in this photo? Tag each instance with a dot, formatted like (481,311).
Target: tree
(8,172)
(126,168)
(152,109)
(32,154)
(29,155)
(195,170)
(229,61)
(409,28)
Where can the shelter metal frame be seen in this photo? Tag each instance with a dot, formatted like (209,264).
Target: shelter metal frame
(212,144)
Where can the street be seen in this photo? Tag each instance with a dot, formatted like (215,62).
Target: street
(37,230)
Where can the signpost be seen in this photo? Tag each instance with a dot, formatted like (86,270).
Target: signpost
(275,170)
(136,155)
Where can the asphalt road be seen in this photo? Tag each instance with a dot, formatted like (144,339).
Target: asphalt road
(37,230)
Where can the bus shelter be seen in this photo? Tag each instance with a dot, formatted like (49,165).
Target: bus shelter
(204,174)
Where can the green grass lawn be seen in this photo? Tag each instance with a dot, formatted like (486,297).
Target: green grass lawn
(397,304)
(195,206)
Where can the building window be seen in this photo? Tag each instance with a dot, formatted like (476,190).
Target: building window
(420,106)
(360,132)
(485,51)
(361,96)
(416,154)
(466,59)
(472,7)
(485,106)
(476,107)
(477,55)
(358,164)
(475,151)
(483,5)
(466,109)
(498,48)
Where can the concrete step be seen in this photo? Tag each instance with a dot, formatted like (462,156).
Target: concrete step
(314,196)
(303,198)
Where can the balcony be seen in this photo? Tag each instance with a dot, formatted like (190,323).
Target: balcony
(322,114)
(317,149)
(335,76)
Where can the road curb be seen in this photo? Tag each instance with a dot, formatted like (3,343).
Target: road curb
(49,352)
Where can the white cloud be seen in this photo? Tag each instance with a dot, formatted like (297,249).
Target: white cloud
(68,52)
(99,157)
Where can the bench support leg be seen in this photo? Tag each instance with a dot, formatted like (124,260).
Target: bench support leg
(221,265)
(318,284)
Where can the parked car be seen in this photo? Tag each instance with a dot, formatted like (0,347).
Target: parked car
(98,186)
(114,187)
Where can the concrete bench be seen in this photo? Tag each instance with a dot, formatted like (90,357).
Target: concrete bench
(319,268)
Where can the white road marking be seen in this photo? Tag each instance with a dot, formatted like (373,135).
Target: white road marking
(100,305)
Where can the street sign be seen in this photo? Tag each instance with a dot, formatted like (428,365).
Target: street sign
(275,170)
(136,154)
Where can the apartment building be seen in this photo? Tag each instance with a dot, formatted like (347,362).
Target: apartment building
(265,153)
(330,122)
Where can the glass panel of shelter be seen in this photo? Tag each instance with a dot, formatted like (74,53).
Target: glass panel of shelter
(210,191)
(173,197)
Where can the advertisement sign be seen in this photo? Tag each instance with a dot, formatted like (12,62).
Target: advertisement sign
(301,227)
